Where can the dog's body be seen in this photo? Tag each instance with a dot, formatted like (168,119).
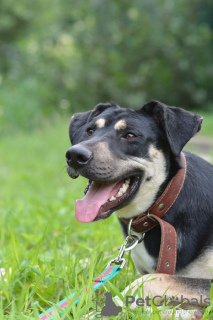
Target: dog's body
(129,157)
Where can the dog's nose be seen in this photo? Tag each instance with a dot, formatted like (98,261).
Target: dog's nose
(78,157)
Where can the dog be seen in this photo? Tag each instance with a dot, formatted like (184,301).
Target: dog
(129,158)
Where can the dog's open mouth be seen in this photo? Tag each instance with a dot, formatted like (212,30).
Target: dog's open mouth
(102,199)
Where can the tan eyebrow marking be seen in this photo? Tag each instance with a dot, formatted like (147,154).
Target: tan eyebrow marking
(100,123)
(121,124)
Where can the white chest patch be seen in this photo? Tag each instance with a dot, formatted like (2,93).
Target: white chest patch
(142,260)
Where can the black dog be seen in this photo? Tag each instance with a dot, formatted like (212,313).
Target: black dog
(129,157)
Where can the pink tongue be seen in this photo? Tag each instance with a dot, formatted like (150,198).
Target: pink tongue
(86,209)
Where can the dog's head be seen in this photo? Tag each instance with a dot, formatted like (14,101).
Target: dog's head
(124,154)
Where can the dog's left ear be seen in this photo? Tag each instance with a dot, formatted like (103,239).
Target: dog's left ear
(178,125)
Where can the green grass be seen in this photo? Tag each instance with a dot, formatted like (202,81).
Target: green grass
(42,246)
(41,241)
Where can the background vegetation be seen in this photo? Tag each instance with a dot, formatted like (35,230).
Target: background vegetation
(59,55)
(56,58)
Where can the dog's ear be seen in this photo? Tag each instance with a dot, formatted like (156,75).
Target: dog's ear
(101,107)
(77,124)
(79,120)
(178,125)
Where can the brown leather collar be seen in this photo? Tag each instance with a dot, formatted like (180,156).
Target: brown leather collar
(149,220)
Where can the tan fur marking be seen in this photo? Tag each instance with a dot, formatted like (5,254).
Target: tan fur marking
(120,125)
(201,267)
(100,149)
(100,123)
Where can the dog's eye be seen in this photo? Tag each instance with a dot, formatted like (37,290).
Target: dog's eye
(90,131)
(129,136)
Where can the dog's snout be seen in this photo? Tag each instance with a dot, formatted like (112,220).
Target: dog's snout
(78,156)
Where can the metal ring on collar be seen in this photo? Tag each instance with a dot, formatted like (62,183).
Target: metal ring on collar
(129,228)
(129,231)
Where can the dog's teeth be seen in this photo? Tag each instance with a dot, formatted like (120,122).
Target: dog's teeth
(122,190)
(127,181)
(119,194)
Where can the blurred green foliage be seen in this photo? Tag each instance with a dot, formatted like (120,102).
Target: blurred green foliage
(59,55)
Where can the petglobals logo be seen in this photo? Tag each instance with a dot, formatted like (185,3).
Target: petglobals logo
(109,309)
(159,301)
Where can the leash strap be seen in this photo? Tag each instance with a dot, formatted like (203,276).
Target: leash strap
(109,273)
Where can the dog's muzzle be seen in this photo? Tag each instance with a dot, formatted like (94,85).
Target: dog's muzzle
(108,189)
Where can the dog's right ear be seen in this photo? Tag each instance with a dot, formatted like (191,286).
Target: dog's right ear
(79,120)
(77,124)
(178,124)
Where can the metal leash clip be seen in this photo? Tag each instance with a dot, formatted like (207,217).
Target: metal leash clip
(130,242)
